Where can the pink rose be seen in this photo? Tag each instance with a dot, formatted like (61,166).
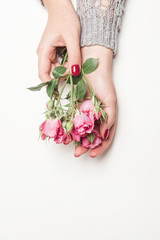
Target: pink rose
(67,139)
(75,135)
(83,124)
(61,135)
(88,108)
(97,141)
(50,128)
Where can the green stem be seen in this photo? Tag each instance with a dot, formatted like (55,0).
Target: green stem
(64,59)
(55,93)
(89,85)
(71,79)
(77,105)
(59,97)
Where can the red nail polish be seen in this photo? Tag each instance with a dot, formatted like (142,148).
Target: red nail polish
(106,134)
(75,70)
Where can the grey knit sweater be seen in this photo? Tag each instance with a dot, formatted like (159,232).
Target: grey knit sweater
(100,22)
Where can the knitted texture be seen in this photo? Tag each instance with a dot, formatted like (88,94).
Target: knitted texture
(100,22)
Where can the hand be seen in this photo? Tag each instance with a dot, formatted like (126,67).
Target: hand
(62,29)
(102,84)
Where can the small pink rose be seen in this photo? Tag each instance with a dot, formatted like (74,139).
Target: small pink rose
(67,139)
(83,124)
(75,135)
(97,141)
(50,128)
(88,108)
(60,135)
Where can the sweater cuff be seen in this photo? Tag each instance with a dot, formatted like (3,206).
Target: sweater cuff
(101,29)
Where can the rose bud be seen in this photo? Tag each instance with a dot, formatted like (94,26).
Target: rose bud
(69,126)
(97,113)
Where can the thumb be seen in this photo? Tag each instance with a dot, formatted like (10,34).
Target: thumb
(74,56)
(105,126)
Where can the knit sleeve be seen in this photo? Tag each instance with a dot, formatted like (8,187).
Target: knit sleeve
(100,22)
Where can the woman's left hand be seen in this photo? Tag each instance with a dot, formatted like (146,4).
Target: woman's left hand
(102,84)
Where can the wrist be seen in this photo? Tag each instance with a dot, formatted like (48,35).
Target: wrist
(53,5)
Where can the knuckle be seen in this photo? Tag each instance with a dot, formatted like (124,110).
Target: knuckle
(41,48)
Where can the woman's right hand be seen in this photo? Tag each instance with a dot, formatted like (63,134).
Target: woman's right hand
(62,29)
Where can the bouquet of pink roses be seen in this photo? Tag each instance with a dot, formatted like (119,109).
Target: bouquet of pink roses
(75,121)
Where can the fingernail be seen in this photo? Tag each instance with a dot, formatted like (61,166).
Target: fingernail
(75,70)
(106,134)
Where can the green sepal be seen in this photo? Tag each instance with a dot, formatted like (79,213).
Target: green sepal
(104,115)
(91,137)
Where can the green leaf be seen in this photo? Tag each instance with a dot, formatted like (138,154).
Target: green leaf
(76,79)
(81,90)
(58,71)
(91,137)
(50,88)
(38,87)
(90,65)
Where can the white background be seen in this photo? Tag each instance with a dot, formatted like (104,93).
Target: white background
(47,193)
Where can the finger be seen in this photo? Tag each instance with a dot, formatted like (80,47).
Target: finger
(74,55)
(46,57)
(105,144)
(44,66)
(111,117)
(80,151)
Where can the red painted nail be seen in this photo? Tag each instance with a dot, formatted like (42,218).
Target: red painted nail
(106,134)
(75,70)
